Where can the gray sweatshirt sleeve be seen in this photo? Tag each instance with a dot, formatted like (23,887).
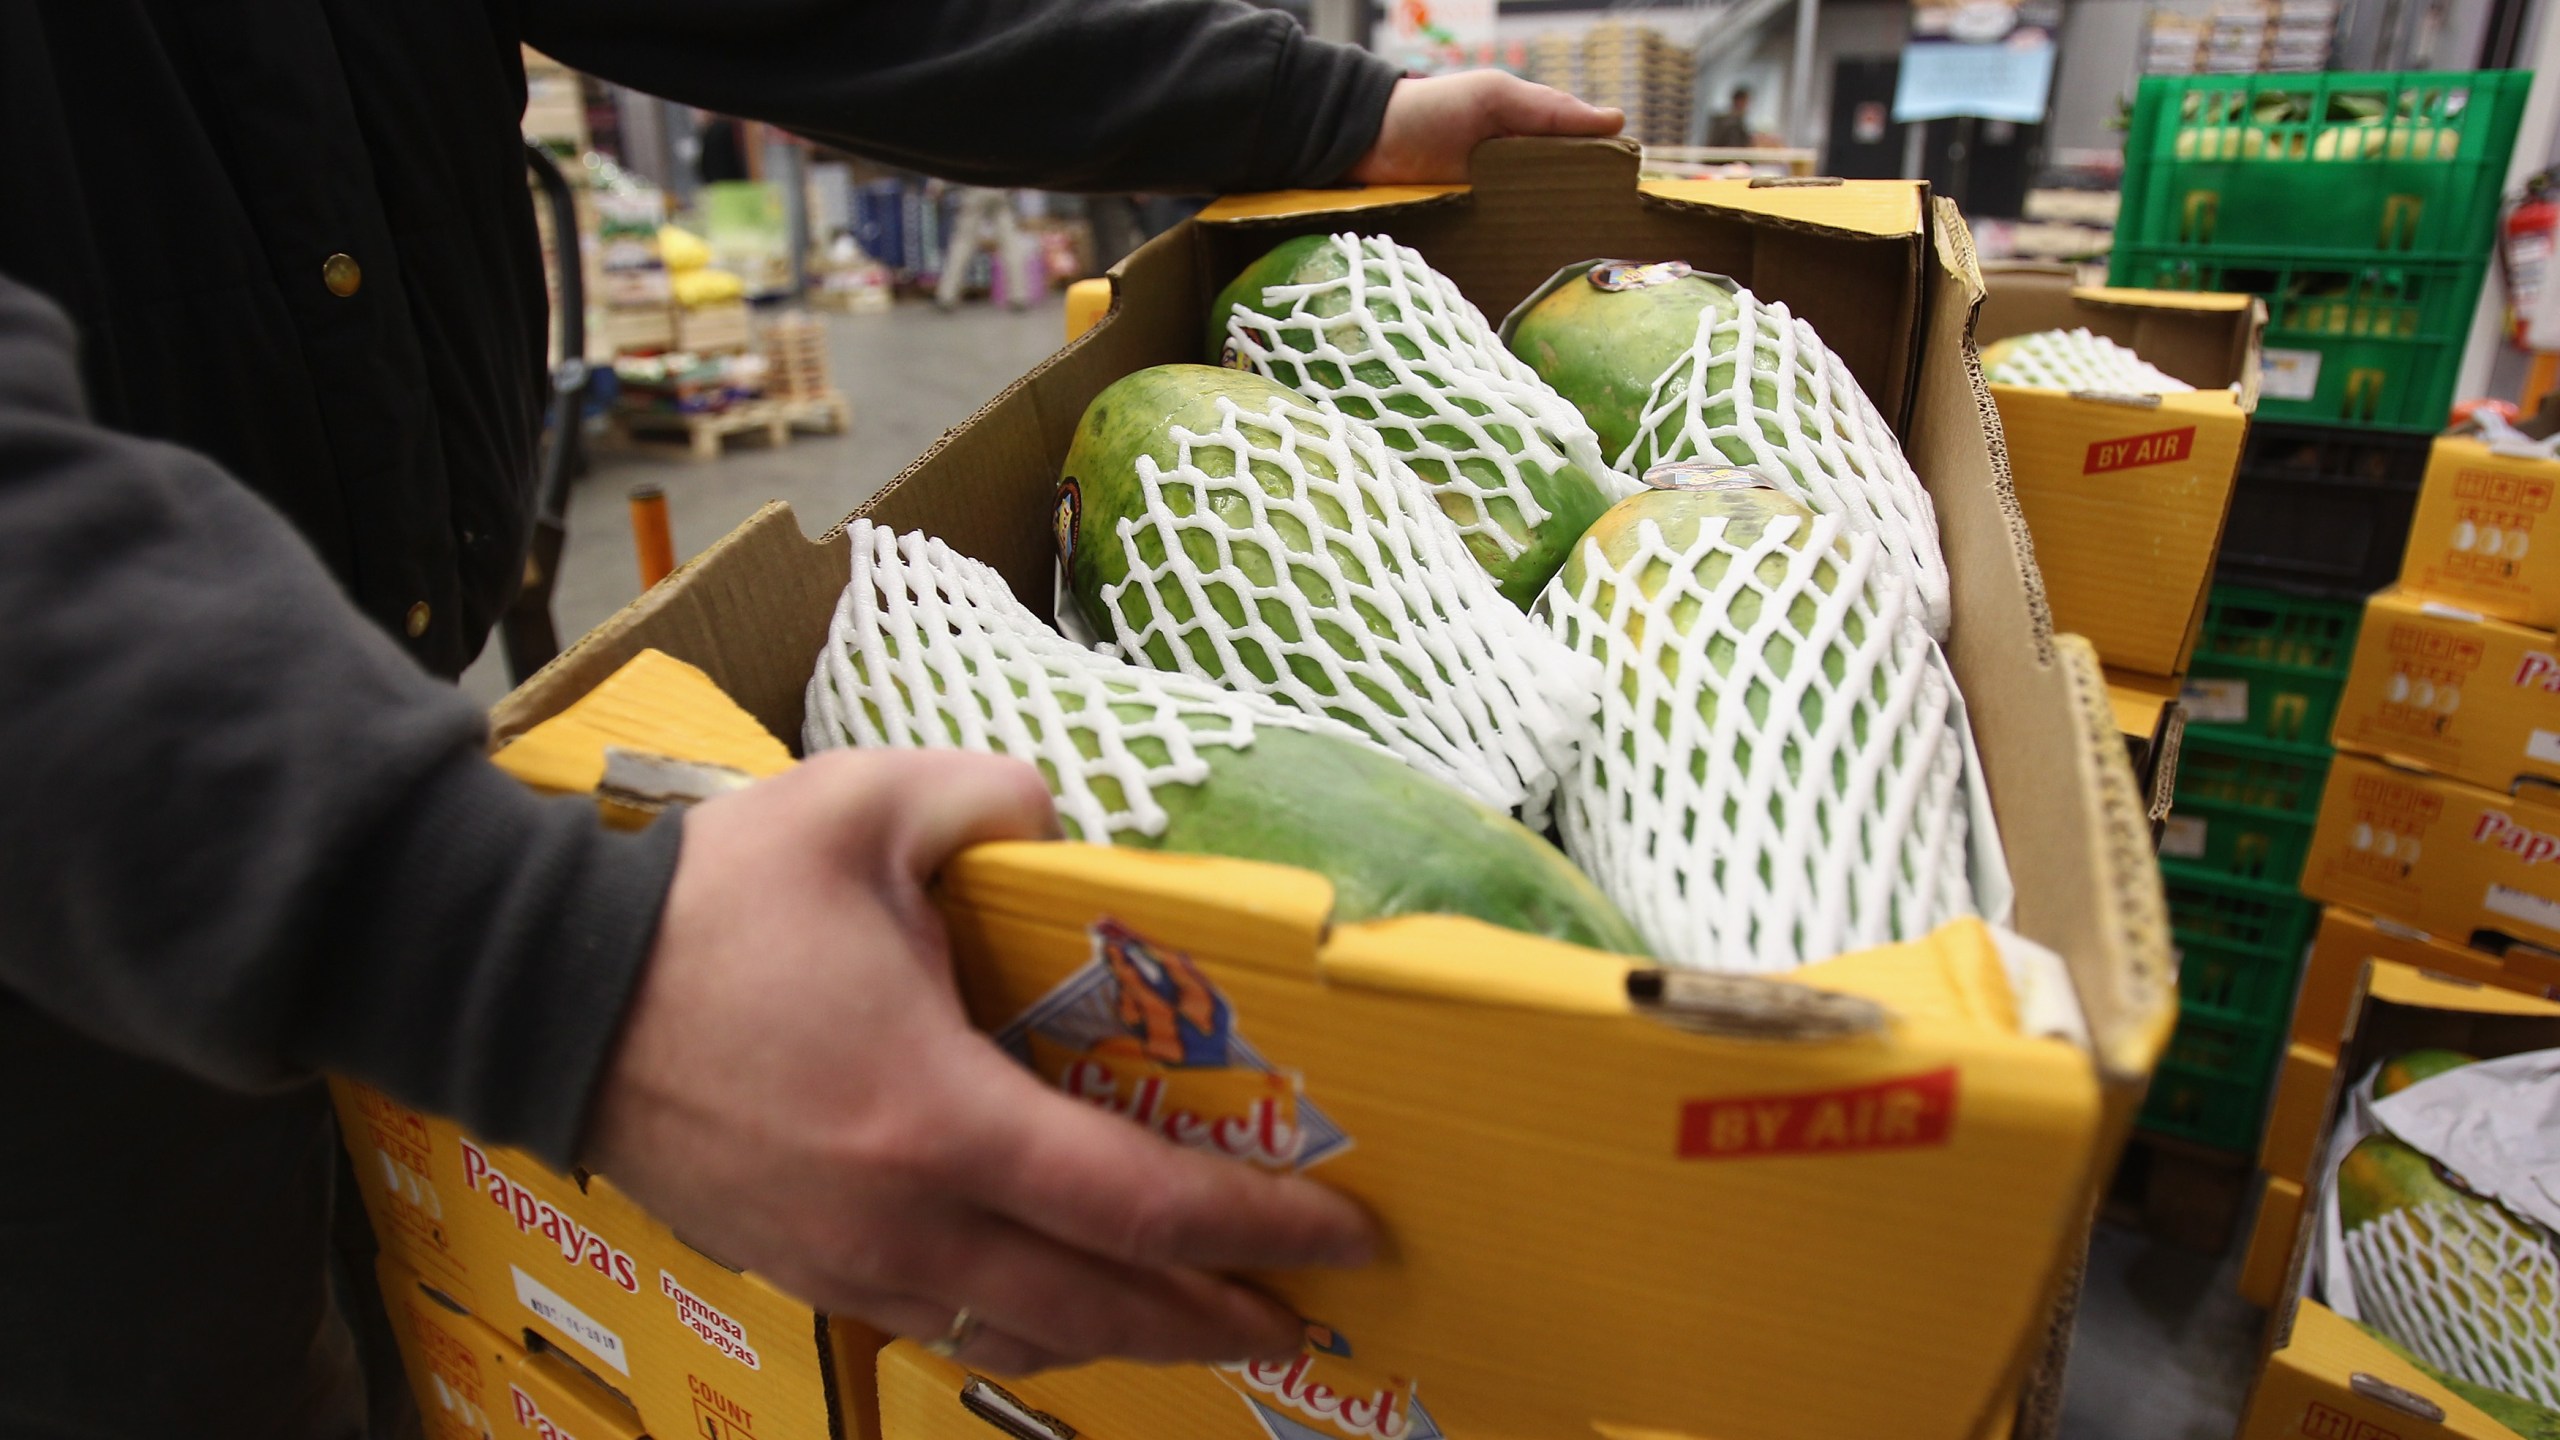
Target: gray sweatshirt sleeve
(1161,95)
(245,835)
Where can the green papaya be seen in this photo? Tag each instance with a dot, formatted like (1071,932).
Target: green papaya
(929,648)
(1671,364)
(1211,523)
(1366,326)
(2411,1066)
(2465,1284)
(2528,1420)
(1781,772)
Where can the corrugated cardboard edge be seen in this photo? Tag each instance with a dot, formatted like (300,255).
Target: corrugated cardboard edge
(1956,253)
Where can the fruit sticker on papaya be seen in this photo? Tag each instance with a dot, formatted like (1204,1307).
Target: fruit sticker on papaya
(1141,1032)
(1321,1394)
(1064,521)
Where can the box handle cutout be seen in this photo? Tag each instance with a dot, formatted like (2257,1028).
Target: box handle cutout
(991,1403)
(1746,1007)
(2407,1402)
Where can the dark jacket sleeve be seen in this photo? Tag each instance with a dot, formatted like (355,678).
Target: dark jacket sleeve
(1164,95)
(243,833)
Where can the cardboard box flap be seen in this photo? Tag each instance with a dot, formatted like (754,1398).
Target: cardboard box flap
(2099,905)
(2189,335)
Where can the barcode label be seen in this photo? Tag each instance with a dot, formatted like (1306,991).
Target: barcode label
(2523,905)
(2217,700)
(2288,374)
(2544,746)
(2182,838)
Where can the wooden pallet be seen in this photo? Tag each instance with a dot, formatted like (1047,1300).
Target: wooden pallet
(826,413)
(2177,1191)
(703,435)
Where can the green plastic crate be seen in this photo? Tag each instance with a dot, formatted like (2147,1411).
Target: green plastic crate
(2366,343)
(2263,777)
(2333,166)
(2270,666)
(2238,984)
(2212,1082)
(2209,907)
(2237,841)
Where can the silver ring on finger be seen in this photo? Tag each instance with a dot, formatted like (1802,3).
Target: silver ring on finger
(964,1328)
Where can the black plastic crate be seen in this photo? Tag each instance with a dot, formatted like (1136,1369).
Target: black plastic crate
(2322,510)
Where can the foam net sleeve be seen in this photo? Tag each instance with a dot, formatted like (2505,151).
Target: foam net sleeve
(2079,360)
(1779,774)
(1393,343)
(2470,1289)
(1816,436)
(1290,553)
(929,649)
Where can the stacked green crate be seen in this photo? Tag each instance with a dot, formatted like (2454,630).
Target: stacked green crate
(2361,206)
(2260,698)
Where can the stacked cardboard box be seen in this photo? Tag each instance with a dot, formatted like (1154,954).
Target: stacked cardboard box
(1639,70)
(2242,37)
(2438,848)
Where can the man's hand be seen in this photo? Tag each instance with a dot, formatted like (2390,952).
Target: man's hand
(798,1090)
(1432,124)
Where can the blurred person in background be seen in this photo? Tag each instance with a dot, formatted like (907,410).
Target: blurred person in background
(1730,128)
(271,374)
(984,218)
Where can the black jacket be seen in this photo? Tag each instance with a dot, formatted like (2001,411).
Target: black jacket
(246,837)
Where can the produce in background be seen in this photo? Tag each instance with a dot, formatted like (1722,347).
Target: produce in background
(2075,360)
(1210,522)
(928,648)
(2278,125)
(1781,773)
(1671,364)
(1366,326)
(2465,1284)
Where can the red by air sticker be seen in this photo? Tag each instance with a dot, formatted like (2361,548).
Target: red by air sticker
(2132,452)
(1139,1031)
(1897,1114)
(1322,1395)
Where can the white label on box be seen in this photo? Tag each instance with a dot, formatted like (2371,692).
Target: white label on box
(2544,746)
(2217,700)
(2288,374)
(571,1321)
(2182,838)
(2523,905)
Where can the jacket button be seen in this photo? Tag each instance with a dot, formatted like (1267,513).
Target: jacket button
(341,274)
(419,615)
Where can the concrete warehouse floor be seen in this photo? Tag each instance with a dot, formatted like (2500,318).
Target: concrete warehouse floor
(2165,1347)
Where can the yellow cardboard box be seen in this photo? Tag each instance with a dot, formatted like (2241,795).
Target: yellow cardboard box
(2153,722)
(1524,1115)
(474,1384)
(2269,1258)
(2448,690)
(408,1168)
(2298,1112)
(2126,494)
(699,1348)
(2324,1377)
(2333,975)
(2482,535)
(2449,858)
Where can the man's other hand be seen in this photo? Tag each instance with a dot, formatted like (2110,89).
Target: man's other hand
(797,1090)
(1432,124)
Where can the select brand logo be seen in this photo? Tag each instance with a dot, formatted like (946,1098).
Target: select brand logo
(2531,846)
(2132,452)
(535,1215)
(1893,1114)
(2322,1422)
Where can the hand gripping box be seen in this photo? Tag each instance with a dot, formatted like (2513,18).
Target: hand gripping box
(2324,1376)
(2126,494)
(2441,687)
(2452,859)
(1606,1205)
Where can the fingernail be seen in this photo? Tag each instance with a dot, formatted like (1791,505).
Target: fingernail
(1352,1252)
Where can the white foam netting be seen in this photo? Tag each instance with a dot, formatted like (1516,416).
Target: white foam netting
(2079,360)
(930,650)
(1821,441)
(1300,559)
(2470,1289)
(1469,415)
(1781,771)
